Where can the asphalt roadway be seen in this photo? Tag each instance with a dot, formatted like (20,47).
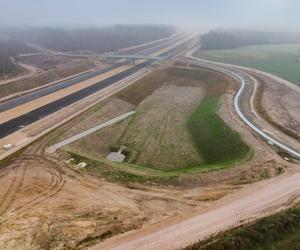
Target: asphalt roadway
(15,124)
(251,202)
(4,106)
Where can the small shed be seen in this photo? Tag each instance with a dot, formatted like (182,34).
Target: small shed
(116,157)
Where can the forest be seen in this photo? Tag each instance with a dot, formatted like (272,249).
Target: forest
(94,39)
(231,39)
(9,49)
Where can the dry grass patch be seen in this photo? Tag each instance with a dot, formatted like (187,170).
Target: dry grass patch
(101,141)
(157,136)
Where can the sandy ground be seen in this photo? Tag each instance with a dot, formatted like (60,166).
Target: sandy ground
(250,202)
(54,60)
(282,103)
(279,104)
(47,205)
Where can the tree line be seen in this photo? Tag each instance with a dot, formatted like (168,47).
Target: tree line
(10,49)
(231,39)
(94,39)
(14,41)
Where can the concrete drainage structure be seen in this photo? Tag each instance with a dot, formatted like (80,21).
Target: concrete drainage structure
(117,156)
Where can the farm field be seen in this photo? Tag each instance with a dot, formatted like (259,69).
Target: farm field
(282,60)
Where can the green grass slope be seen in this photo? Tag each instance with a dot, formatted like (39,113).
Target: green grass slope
(215,141)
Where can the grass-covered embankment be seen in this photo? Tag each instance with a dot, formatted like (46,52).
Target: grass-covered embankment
(280,231)
(215,141)
(209,137)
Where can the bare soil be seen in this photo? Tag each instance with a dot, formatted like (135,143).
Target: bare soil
(45,204)
(279,104)
(47,59)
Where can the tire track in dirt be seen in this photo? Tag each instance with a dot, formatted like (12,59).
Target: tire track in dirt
(56,184)
(13,188)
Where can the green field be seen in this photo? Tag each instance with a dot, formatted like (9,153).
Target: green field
(279,59)
(280,231)
(215,141)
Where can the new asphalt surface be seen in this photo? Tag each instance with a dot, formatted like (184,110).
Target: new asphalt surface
(15,124)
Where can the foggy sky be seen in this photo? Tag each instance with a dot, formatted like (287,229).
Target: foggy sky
(197,14)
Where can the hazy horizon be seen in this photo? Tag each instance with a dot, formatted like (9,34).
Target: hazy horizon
(199,15)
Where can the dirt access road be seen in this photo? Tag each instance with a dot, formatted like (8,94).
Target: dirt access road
(45,204)
(250,202)
(30,71)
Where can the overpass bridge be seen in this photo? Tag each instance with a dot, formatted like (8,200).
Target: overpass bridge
(130,57)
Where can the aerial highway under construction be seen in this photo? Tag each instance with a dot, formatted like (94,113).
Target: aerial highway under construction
(183,232)
(11,124)
(68,186)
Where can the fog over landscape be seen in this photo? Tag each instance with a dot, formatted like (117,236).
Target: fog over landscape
(149,124)
(196,14)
